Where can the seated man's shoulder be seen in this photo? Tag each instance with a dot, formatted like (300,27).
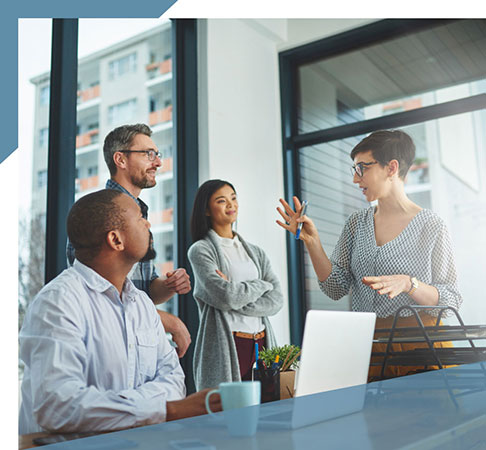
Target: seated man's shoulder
(63,289)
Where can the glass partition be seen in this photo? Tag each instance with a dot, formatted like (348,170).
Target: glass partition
(128,80)
(441,64)
(400,74)
(34,61)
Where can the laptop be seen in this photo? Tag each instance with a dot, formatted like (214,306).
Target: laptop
(336,352)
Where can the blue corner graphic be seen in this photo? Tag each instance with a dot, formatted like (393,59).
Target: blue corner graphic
(12,11)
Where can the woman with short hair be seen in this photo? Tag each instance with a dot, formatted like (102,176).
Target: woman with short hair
(389,255)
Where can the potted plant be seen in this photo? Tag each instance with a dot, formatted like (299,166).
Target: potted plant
(287,359)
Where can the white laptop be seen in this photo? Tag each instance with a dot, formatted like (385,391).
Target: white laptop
(336,352)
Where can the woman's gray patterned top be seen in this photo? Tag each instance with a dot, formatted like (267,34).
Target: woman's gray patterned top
(423,250)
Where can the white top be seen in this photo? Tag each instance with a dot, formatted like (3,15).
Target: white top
(242,268)
(95,360)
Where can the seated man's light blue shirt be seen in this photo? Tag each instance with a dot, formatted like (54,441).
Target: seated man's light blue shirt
(95,360)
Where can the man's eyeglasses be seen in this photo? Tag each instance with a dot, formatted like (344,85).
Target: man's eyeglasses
(151,154)
(358,169)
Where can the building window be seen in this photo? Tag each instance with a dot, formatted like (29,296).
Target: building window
(41,178)
(119,67)
(122,112)
(43,137)
(153,101)
(92,171)
(44,95)
(169,252)
(168,201)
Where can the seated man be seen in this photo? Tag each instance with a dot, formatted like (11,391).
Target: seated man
(96,354)
(133,160)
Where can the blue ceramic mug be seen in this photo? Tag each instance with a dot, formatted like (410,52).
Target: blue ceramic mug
(240,400)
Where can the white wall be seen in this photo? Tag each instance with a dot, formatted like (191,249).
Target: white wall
(303,31)
(240,127)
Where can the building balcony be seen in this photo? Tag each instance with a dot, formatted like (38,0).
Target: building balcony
(89,94)
(85,184)
(167,164)
(402,105)
(161,116)
(164,216)
(161,127)
(165,267)
(155,81)
(91,137)
(159,68)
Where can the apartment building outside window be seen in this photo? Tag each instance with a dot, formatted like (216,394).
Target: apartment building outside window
(121,66)
(140,66)
(42,178)
(44,95)
(43,137)
(122,112)
(140,62)
(97,96)
(92,171)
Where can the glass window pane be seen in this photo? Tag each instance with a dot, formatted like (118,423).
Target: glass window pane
(34,64)
(447,176)
(327,184)
(128,81)
(444,63)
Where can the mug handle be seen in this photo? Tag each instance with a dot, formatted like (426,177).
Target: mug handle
(208,409)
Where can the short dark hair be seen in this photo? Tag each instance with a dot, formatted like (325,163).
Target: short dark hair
(120,139)
(200,222)
(386,145)
(90,219)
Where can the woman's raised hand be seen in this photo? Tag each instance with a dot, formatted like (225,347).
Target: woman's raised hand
(292,219)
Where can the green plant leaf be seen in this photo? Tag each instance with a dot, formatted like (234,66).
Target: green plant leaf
(268,355)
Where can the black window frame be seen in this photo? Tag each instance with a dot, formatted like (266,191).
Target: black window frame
(289,64)
(61,170)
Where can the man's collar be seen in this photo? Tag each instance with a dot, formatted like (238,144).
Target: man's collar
(99,284)
(112,184)
(92,278)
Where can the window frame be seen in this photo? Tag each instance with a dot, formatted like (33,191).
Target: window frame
(61,162)
(289,63)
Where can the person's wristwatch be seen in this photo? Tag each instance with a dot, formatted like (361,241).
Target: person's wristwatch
(415,284)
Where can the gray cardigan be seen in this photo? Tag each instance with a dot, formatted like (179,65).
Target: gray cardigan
(215,357)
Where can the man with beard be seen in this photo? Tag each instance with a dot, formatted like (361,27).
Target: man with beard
(133,159)
(95,351)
